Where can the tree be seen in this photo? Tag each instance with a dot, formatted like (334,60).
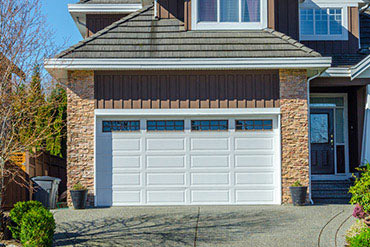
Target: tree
(28,121)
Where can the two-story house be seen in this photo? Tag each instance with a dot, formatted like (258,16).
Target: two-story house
(193,102)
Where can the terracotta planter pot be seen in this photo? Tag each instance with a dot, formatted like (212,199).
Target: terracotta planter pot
(79,198)
(299,195)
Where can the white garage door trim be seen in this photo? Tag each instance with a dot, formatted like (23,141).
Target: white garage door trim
(194,114)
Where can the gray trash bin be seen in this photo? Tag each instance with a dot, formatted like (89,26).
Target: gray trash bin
(46,190)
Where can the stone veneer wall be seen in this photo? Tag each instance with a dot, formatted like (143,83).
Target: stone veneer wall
(80,134)
(294,129)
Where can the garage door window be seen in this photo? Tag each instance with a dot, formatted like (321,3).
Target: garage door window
(109,126)
(250,125)
(209,125)
(165,125)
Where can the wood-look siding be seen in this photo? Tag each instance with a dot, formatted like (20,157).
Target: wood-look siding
(97,22)
(186,89)
(341,47)
(171,9)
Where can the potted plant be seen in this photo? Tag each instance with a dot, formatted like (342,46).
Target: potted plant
(79,196)
(299,193)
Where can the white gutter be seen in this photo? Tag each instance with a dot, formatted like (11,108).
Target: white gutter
(186,112)
(103,8)
(187,63)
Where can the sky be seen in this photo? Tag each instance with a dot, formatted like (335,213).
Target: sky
(59,19)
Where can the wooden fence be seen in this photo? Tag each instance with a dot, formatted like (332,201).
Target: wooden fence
(42,164)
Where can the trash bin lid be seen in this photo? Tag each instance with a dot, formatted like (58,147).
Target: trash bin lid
(45,178)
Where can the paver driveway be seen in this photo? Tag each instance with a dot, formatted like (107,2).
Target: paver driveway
(204,226)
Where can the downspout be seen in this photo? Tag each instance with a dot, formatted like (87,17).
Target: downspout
(309,132)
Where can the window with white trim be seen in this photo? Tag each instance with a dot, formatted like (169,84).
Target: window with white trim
(323,24)
(230,14)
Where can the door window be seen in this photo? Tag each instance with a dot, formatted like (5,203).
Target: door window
(319,128)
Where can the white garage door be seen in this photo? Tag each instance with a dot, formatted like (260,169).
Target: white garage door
(187,161)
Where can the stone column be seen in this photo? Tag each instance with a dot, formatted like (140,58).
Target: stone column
(294,129)
(80,133)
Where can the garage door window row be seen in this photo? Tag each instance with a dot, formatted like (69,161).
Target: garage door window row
(196,125)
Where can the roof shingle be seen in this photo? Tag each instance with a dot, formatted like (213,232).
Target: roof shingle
(139,35)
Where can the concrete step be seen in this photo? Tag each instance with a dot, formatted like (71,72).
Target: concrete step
(330,201)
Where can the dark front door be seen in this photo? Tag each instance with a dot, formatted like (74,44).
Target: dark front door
(322,141)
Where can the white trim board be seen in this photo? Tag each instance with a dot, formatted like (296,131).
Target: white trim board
(188,63)
(186,112)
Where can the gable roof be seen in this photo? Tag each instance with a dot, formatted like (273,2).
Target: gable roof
(140,36)
(109,2)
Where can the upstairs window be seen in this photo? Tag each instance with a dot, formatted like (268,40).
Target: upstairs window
(323,24)
(230,14)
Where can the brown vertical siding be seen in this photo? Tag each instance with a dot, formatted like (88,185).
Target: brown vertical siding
(341,47)
(286,17)
(271,14)
(97,22)
(170,9)
(186,89)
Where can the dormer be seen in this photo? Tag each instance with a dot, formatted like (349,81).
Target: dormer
(91,16)
(229,14)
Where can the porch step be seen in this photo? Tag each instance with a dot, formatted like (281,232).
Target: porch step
(331,192)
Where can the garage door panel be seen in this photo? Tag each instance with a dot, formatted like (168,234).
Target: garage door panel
(165,144)
(161,197)
(251,161)
(254,144)
(254,196)
(208,161)
(201,144)
(265,178)
(210,196)
(167,162)
(170,179)
(122,179)
(121,197)
(122,162)
(216,179)
(126,144)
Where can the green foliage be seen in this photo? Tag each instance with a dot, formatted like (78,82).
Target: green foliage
(78,186)
(37,228)
(17,213)
(360,240)
(355,229)
(297,184)
(56,144)
(361,189)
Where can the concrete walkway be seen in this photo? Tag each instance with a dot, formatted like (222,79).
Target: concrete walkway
(205,226)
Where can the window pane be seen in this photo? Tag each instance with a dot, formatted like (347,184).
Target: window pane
(339,125)
(335,18)
(165,125)
(253,124)
(207,10)
(229,10)
(307,21)
(319,128)
(321,21)
(338,101)
(109,126)
(251,10)
(206,125)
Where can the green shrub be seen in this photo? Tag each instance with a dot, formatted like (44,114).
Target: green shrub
(78,186)
(37,228)
(297,184)
(361,189)
(355,229)
(17,213)
(360,240)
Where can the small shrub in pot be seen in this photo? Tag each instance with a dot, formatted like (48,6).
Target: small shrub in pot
(299,193)
(79,196)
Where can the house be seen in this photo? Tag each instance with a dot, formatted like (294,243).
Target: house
(217,102)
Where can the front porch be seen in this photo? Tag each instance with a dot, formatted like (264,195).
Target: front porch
(337,113)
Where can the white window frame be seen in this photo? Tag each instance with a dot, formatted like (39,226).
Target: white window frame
(317,5)
(229,25)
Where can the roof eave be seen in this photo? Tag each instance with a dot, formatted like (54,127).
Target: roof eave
(63,64)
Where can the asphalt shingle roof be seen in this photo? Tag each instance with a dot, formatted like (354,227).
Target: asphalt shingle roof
(109,2)
(140,36)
